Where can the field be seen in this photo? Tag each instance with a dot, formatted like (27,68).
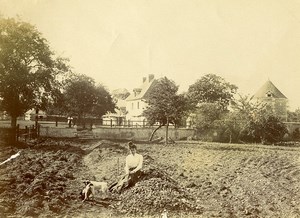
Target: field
(188,179)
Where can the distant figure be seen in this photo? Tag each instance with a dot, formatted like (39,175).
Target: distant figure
(70,121)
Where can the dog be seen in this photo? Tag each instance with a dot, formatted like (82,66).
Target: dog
(91,187)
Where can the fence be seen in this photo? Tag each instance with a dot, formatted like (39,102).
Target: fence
(27,133)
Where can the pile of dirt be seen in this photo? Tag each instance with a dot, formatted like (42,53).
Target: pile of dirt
(154,192)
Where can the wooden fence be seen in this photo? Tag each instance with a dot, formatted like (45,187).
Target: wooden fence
(10,135)
(27,133)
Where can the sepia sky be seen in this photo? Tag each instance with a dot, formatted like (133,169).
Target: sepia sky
(117,42)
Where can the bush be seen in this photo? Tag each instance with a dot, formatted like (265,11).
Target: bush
(296,134)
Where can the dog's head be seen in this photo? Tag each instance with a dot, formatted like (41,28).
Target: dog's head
(86,189)
(86,182)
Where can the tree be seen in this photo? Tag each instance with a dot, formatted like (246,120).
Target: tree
(293,116)
(265,129)
(165,106)
(28,69)
(120,94)
(206,114)
(83,98)
(211,89)
(259,123)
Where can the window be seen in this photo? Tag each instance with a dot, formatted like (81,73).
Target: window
(132,104)
(269,94)
(138,105)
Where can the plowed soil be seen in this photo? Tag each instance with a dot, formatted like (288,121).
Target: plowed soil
(188,179)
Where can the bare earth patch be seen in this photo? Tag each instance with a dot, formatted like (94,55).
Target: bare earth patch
(189,179)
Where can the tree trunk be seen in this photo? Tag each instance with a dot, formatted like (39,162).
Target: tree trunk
(153,132)
(13,121)
(167,131)
(36,117)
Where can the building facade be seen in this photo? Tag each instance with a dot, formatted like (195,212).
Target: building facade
(136,102)
(275,100)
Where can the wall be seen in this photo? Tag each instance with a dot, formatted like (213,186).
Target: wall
(58,132)
(118,133)
(140,133)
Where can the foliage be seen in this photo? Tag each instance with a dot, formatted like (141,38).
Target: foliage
(293,116)
(229,127)
(164,104)
(211,89)
(259,124)
(265,129)
(248,121)
(28,69)
(206,114)
(83,98)
(296,134)
(120,94)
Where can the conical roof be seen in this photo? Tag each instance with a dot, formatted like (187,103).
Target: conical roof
(268,90)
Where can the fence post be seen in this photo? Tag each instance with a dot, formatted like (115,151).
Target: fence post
(118,169)
(17,132)
(38,130)
(26,132)
(29,132)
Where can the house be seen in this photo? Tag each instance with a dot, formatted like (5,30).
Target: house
(31,114)
(276,101)
(117,118)
(136,101)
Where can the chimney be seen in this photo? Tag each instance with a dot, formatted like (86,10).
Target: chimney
(144,79)
(151,77)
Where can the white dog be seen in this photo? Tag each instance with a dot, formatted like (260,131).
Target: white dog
(91,187)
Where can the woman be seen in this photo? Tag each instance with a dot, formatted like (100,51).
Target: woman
(133,166)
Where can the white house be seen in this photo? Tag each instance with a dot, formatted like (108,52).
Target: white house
(31,114)
(136,101)
(117,118)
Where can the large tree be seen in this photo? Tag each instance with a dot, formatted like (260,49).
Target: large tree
(257,123)
(82,98)
(211,89)
(165,106)
(28,69)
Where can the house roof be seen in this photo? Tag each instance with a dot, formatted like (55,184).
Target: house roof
(143,91)
(268,90)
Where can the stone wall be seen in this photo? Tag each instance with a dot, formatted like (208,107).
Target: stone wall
(126,133)
(141,133)
(60,132)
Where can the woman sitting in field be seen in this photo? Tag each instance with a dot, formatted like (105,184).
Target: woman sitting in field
(133,166)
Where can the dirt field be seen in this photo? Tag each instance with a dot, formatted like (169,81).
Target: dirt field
(188,179)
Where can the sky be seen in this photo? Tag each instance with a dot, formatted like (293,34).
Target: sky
(118,42)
